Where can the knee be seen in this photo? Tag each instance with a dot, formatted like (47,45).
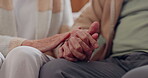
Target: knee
(55,68)
(23,52)
(56,65)
(140,72)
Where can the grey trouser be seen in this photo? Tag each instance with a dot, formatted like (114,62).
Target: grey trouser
(113,67)
(139,72)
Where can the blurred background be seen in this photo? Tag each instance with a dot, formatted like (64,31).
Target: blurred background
(77,5)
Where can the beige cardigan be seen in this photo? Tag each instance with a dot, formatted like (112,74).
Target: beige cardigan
(106,12)
(46,25)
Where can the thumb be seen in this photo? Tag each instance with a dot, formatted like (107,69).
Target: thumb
(94,28)
(95,36)
(59,39)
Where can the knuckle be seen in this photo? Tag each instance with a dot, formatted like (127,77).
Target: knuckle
(78,48)
(72,38)
(84,37)
(79,40)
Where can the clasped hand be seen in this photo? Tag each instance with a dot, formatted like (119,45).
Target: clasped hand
(80,45)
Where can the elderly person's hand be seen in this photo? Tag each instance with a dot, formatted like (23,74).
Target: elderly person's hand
(47,44)
(81,44)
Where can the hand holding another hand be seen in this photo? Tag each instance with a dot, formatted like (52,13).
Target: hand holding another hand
(80,44)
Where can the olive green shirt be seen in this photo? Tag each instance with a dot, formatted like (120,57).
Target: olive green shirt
(132,29)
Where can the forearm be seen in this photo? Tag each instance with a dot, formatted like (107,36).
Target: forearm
(47,44)
(34,43)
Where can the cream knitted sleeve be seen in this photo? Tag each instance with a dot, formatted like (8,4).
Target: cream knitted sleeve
(7,43)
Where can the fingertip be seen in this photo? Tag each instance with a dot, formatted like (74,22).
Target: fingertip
(96,22)
(95,36)
(95,26)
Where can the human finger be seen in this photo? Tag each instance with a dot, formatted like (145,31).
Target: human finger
(94,28)
(92,41)
(76,45)
(60,52)
(77,54)
(86,49)
(80,34)
(67,54)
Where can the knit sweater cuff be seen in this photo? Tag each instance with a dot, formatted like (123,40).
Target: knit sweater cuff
(15,42)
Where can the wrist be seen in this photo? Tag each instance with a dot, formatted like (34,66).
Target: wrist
(27,43)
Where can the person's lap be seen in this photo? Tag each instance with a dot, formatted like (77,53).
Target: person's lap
(109,68)
(140,72)
(60,68)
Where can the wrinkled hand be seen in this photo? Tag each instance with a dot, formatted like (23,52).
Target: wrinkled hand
(47,44)
(81,44)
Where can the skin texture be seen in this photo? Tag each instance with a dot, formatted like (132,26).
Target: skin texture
(77,45)
(47,44)
(81,44)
